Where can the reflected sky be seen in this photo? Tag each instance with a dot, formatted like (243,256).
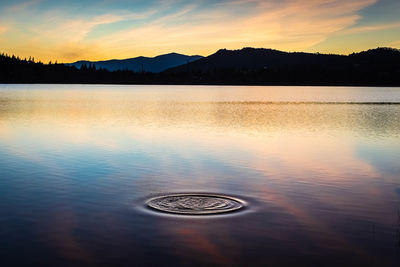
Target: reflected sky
(321,178)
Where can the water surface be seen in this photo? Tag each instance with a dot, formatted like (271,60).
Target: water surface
(318,167)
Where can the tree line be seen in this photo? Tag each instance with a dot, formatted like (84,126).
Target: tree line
(366,68)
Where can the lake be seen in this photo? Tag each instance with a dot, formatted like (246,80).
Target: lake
(318,169)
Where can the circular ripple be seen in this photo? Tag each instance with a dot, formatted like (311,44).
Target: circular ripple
(195,204)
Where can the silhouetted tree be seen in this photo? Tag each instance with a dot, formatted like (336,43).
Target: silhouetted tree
(247,66)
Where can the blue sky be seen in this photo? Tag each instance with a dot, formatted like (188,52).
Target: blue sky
(71,30)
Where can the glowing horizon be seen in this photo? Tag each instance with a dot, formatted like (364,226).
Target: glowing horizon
(67,31)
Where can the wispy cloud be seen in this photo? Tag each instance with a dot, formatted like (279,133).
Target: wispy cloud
(3,29)
(395,44)
(63,38)
(22,6)
(192,27)
(73,30)
(369,28)
(290,25)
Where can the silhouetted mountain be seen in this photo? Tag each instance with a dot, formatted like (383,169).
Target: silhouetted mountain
(255,58)
(380,66)
(139,64)
(260,58)
(248,66)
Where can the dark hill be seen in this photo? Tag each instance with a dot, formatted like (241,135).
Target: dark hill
(139,64)
(249,66)
(266,66)
(260,58)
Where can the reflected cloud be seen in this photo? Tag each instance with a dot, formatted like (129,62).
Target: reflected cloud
(304,146)
(60,232)
(197,241)
(307,170)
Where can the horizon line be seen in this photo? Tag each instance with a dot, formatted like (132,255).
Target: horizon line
(247,47)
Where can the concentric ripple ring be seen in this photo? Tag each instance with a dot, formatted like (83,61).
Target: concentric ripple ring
(195,204)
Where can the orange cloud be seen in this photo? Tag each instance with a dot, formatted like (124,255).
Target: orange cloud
(395,44)
(22,6)
(2,29)
(371,28)
(291,25)
(287,25)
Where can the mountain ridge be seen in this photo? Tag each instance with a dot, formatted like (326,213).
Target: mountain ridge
(259,58)
(140,64)
(249,66)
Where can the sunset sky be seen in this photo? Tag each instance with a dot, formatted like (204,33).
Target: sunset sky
(70,30)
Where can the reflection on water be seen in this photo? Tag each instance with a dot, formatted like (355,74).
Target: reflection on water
(320,176)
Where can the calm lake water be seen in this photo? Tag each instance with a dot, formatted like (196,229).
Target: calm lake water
(319,169)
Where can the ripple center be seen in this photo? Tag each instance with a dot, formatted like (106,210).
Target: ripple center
(195,204)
